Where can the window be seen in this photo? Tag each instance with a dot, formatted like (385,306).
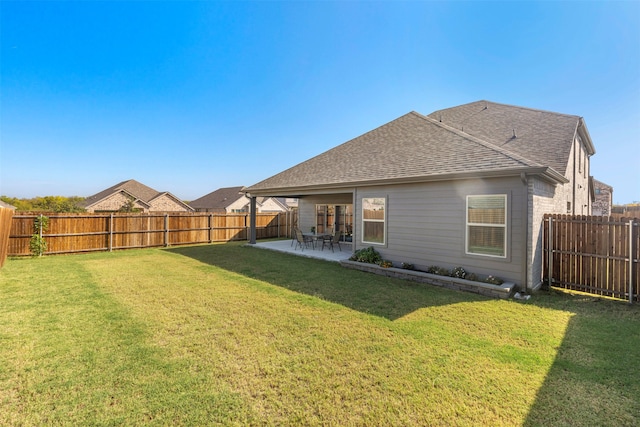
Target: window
(487,225)
(373,220)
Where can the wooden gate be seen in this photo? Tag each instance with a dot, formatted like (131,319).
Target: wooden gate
(593,254)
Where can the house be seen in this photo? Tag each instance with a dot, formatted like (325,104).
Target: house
(133,196)
(7,205)
(603,198)
(232,200)
(464,186)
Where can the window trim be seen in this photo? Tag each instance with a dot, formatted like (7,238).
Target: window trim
(383,221)
(478,224)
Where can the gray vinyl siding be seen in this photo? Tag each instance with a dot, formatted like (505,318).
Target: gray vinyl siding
(426,225)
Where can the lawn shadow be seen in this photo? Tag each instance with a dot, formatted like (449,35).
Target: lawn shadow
(365,292)
(594,378)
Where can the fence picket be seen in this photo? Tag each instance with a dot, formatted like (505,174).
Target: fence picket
(69,233)
(593,254)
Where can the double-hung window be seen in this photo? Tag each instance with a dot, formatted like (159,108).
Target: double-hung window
(487,225)
(373,220)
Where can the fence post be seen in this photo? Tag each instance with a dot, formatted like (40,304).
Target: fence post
(166,229)
(631,241)
(111,232)
(210,227)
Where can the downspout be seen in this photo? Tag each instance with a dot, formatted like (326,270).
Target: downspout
(525,230)
(252,221)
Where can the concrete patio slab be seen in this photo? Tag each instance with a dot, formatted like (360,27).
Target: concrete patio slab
(288,247)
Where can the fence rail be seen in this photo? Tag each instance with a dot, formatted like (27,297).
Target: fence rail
(598,255)
(69,233)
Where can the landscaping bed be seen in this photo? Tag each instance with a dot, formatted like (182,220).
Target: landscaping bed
(505,290)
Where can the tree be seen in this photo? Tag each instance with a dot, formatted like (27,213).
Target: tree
(129,206)
(56,204)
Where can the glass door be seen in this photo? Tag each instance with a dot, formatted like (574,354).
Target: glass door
(338,218)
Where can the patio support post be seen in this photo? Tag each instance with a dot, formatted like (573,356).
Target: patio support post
(252,225)
(525,231)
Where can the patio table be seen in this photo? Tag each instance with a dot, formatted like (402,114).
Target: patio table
(316,236)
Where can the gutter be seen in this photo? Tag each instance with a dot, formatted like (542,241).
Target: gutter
(546,173)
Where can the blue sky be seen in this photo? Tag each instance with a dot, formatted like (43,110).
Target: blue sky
(188,97)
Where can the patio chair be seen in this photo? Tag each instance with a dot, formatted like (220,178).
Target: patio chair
(331,240)
(293,235)
(301,240)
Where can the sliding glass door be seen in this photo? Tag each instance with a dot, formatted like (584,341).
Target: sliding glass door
(338,218)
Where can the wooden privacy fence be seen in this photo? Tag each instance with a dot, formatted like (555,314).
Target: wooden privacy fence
(6,216)
(593,254)
(69,233)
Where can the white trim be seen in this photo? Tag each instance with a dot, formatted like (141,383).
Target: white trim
(478,224)
(383,221)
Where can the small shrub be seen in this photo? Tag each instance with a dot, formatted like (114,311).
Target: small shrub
(368,255)
(443,272)
(408,266)
(385,263)
(459,273)
(433,269)
(37,244)
(494,280)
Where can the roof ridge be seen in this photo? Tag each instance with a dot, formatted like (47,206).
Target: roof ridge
(482,142)
(511,106)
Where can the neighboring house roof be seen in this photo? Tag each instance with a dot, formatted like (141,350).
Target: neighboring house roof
(134,189)
(280,202)
(600,184)
(6,205)
(417,148)
(219,199)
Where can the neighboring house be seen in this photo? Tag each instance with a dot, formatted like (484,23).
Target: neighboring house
(132,195)
(233,200)
(464,186)
(7,205)
(603,198)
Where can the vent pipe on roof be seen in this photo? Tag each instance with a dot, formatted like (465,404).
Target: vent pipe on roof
(514,134)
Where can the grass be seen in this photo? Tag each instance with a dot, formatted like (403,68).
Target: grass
(231,335)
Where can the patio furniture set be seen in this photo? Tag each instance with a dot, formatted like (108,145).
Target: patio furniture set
(306,240)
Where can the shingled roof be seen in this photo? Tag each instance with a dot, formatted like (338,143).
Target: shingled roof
(416,148)
(542,136)
(6,205)
(132,187)
(219,199)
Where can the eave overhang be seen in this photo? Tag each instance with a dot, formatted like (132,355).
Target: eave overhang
(546,173)
(583,132)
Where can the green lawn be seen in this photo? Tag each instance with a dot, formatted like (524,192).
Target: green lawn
(233,335)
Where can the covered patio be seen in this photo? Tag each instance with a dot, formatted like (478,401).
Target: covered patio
(288,246)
